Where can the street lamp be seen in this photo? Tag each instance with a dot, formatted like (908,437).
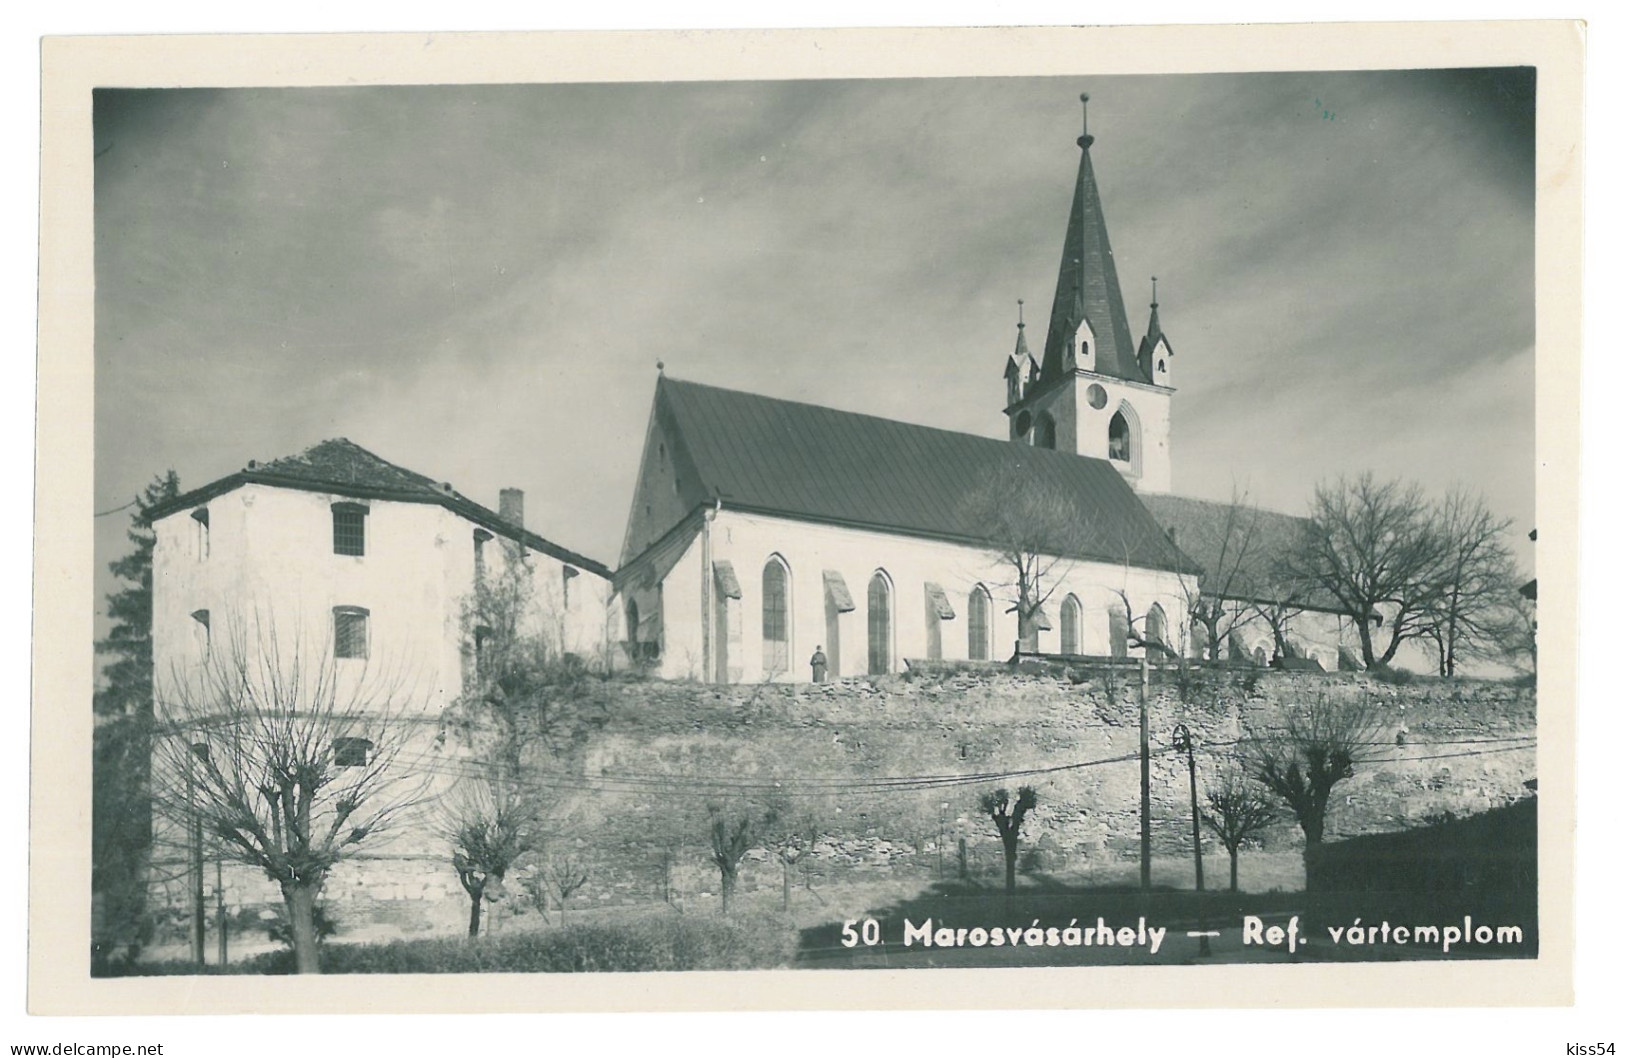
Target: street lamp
(1183,743)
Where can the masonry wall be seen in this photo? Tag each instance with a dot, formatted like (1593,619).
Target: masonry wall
(642,840)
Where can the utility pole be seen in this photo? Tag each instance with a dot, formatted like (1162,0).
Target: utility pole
(220,911)
(195,867)
(1145,780)
(1183,741)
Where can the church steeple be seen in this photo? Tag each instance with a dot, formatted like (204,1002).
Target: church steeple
(1096,394)
(1156,351)
(1087,290)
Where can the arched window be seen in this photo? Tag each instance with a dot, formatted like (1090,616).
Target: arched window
(775,617)
(1044,432)
(632,620)
(1119,631)
(879,625)
(981,608)
(1119,443)
(1156,631)
(1071,618)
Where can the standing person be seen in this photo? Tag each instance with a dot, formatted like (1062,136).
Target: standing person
(820,664)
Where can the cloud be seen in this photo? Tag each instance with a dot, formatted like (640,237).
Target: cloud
(477,281)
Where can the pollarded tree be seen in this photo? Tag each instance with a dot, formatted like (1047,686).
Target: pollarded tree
(734,826)
(491,822)
(287,763)
(1317,747)
(1237,809)
(1008,818)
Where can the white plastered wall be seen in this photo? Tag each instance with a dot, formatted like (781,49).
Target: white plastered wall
(909,563)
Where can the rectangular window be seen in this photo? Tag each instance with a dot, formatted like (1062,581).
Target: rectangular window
(202,630)
(349,632)
(351,752)
(201,517)
(349,529)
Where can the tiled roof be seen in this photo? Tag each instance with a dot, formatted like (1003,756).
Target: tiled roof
(343,467)
(1087,286)
(807,461)
(1239,548)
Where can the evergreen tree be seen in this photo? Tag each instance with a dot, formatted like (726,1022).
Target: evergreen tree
(128,676)
(121,811)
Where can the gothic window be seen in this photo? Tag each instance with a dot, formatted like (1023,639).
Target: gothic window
(631,621)
(1044,435)
(1071,614)
(1118,440)
(980,609)
(349,632)
(349,529)
(775,617)
(1024,422)
(879,625)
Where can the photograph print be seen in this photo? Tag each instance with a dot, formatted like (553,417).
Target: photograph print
(1064,521)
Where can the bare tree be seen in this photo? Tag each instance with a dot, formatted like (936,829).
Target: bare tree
(1513,630)
(1228,545)
(492,822)
(1237,809)
(568,875)
(1374,547)
(1030,530)
(1317,747)
(791,828)
(1008,818)
(1476,579)
(733,828)
(288,763)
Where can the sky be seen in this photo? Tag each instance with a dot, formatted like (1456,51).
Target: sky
(477,282)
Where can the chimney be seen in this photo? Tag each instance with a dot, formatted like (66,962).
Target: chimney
(511,506)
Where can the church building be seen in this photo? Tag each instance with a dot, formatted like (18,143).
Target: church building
(765,530)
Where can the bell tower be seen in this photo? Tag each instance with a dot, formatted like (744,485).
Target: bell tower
(1093,393)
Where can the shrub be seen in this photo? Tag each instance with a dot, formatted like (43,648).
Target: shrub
(1396,676)
(652,941)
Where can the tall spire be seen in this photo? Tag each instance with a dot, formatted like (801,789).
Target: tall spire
(1087,284)
(1148,345)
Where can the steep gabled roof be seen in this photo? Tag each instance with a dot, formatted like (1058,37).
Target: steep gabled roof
(1239,548)
(806,461)
(342,467)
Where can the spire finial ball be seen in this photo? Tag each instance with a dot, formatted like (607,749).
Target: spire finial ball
(660,366)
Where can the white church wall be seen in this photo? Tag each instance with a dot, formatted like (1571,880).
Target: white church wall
(909,563)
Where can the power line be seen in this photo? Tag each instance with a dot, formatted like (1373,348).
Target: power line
(115,510)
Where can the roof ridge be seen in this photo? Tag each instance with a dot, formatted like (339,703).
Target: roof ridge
(1004,444)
